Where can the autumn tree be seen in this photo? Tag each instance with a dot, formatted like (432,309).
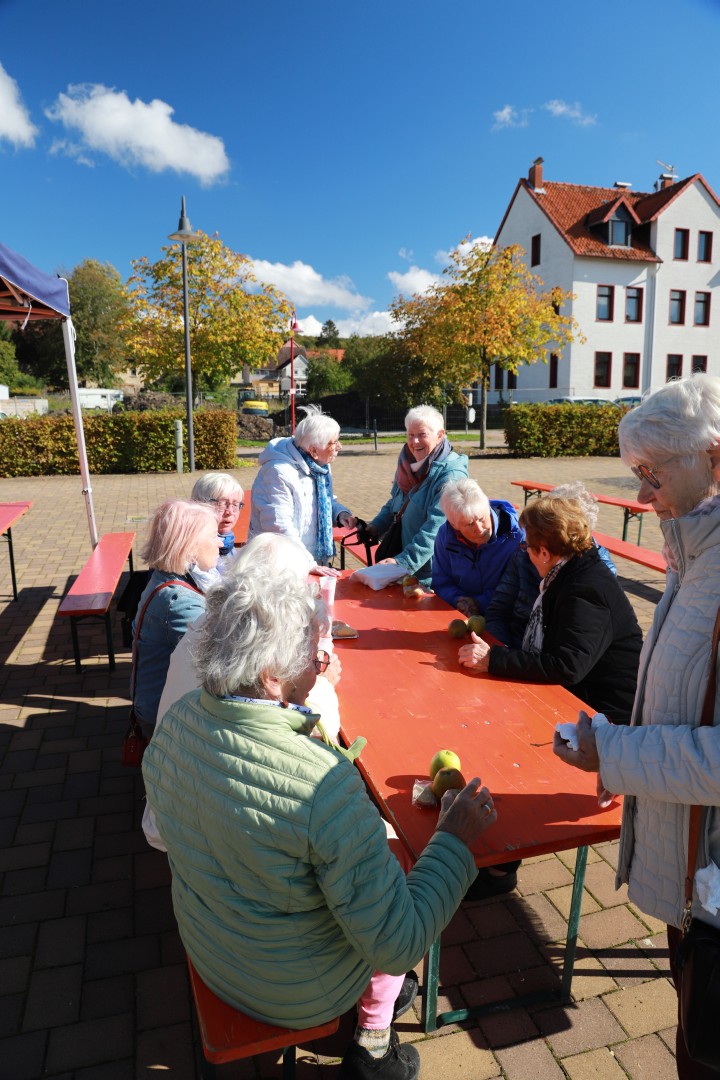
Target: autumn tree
(233,319)
(490,309)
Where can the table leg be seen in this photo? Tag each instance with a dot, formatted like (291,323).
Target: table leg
(109,636)
(573,923)
(431,976)
(8,537)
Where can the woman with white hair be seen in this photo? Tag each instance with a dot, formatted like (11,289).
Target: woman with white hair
(426,463)
(473,547)
(288,899)
(293,492)
(665,762)
(181,551)
(223,492)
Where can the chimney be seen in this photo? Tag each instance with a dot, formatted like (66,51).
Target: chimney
(622,185)
(666,180)
(535,176)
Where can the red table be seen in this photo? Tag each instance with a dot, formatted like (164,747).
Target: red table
(9,514)
(403,689)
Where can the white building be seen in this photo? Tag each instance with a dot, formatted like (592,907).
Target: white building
(644,270)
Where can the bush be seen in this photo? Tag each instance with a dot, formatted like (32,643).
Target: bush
(563,430)
(126,442)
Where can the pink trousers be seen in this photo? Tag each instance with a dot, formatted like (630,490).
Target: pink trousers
(375,1007)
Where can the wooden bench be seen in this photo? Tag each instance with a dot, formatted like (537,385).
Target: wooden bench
(229,1035)
(625,550)
(90,595)
(631,507)
(348,541)
(9,514)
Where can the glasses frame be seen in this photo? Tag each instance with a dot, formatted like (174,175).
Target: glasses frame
(647,472)
(322,661)
(226,504)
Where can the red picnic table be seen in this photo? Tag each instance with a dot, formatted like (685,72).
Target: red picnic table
(9,514)
(403,689)
(631,508)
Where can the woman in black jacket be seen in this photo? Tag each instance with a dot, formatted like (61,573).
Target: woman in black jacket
(582,631)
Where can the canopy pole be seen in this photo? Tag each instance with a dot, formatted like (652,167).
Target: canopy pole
(69,338)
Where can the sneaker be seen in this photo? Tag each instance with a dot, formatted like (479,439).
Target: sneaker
(398,1063)
(487,885)
(407,995)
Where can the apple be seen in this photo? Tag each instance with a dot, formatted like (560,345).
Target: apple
(444,759)
(458,628)
(413,591)
(409,580)
(446,780)
(476,624)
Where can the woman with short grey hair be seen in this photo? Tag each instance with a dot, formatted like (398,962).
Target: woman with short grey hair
(293,491)
(225,495)
(665,762)
(289,901)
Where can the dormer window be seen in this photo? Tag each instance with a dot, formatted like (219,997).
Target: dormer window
(619,232)
(612,222)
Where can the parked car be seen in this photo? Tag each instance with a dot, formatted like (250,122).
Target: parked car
(629,401)
(580,401)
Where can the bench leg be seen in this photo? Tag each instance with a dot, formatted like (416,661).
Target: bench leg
(75,642)
(108,634)
(288,1068)
(8,535)
(207,1069)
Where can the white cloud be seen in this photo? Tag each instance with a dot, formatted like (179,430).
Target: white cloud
(407,254)
(15,123)
(137,133)
(414,280)
(566,111)
(302,284)
(510,117)
(485,242)
(372,322)
(310,326)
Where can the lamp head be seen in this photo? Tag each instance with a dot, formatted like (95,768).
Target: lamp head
(185,233)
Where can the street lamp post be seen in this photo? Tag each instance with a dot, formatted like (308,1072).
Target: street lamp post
(185,236)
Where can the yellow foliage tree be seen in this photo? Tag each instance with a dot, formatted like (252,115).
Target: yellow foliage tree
(233,320)
(490,310)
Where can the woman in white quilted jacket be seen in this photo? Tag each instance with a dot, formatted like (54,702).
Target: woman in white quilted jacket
(665,762)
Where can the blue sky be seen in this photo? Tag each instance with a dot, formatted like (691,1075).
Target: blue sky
(344,147)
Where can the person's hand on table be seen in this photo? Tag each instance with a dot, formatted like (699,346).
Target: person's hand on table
(467,606)
(475,656)
(467,813)
(333,671)
(324,571)
(346,520)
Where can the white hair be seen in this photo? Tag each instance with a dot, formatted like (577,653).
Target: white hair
(576,490)
(273,553)
(316,428)
(216,485)
(462,497)
(425,414)
(680,419)
(256,626)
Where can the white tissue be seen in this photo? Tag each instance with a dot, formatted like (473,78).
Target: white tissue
(707,884)
(568,731)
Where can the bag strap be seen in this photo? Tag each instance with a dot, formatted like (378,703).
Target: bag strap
(138,624)
(706,718)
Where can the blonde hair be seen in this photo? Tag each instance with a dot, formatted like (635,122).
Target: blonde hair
(175,531)
(558,524)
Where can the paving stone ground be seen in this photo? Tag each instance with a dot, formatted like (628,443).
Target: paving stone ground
(92,980)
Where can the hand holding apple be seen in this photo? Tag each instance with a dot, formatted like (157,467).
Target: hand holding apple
(475,656)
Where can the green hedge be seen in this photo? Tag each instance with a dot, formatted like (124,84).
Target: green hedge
(123,442)
(563,430)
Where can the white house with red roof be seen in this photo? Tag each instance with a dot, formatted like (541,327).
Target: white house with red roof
(644,268)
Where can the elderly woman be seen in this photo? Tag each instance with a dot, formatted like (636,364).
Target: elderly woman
(426,463)
(665,763)
(225,495)
(473,547)
(582,631)
(293,492)
(509,610)
(288,899)
(181,550)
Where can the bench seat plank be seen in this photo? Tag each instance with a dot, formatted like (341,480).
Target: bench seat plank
(94,587)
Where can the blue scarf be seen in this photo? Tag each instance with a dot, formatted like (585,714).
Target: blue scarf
(324,543)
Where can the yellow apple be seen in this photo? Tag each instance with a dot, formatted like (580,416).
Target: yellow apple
(476,624)
(446,780)
(458,628)
(444,759)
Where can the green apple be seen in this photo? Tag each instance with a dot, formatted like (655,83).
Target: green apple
(445,780)
(458,628)
(444,759)
(476,624)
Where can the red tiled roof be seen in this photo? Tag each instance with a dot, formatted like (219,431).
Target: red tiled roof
(572,208)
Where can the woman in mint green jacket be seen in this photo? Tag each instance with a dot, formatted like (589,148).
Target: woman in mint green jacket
(288,899)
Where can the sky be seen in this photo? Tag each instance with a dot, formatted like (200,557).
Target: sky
(345,148)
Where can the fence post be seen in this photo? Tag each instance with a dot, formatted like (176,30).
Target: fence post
(179,445)
(375,434)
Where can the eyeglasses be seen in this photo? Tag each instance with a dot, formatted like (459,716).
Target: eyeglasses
(523,545)
(647,472)
(334,445)
(227,504)
(322,661)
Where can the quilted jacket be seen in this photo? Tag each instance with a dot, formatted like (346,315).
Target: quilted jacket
(664,763)
(283,495)
(285,891)
(462,569)
(422,516)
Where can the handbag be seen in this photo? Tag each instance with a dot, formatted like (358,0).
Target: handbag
(391,540)
(135,741)
(698,955)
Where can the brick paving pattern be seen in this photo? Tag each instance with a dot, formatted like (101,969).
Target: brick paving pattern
(92,977)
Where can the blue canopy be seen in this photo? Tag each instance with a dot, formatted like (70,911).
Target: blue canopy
(26,291)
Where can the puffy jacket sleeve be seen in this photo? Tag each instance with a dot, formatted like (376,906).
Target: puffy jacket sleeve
(583,634)
(443,581)
(668,763)
(419,550)
(273,501)
(389,919)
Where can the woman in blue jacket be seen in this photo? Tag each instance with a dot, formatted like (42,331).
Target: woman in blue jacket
(426,463)
(473,547)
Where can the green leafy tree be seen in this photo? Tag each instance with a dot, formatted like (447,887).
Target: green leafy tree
(490,310)
(329,336)
(326,375)
(374,366)
(233,320)
(40,352)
